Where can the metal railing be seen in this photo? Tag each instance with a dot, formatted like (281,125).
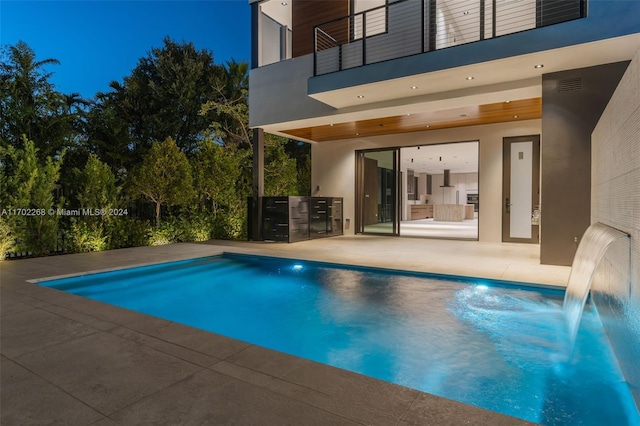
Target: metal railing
(407,27)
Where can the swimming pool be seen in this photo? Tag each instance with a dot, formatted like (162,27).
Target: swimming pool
(480,342)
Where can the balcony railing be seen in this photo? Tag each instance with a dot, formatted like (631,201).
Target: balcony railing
(408,27)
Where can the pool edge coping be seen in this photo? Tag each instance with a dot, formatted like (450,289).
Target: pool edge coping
(222,252)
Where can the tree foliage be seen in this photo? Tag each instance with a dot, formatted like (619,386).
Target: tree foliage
(97,187)
(230,106)
(107,133)
(164,94)
(164,177)
(31,107)
(30,185)
(197,181)
(216,172)
(280,173)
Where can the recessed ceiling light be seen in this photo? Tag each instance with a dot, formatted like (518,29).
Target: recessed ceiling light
(470,77)
(466,12)
(507,102)
(414,87)
(516,116)
(360,96)
(357,134)
(428,125)
(539,66)
(409,114)
(331,124)
(284,3)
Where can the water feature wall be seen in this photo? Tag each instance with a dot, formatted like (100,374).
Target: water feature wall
(615,201)
(594,244)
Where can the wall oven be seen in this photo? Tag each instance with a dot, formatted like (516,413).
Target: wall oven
(475,200)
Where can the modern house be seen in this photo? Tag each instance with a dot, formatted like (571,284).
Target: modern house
(367,82)
(518,117)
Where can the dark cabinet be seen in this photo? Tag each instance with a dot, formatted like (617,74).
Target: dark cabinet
(285,218)
(326,217)
(319,215)
(334,221)
(294,219)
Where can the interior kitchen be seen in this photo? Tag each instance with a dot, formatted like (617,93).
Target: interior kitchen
(440,196)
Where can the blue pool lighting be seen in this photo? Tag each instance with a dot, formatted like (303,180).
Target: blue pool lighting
(504,350)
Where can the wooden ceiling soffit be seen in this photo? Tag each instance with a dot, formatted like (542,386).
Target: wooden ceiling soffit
(524,109)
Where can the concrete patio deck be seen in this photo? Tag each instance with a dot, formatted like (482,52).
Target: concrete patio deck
(67,360)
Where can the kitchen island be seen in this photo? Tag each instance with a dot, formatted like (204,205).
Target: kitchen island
(452,212)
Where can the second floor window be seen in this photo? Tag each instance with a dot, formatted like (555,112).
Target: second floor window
(369,16)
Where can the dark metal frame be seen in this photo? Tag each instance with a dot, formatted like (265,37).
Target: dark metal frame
(359,183)
(352,15)
(428,15)
(535,196)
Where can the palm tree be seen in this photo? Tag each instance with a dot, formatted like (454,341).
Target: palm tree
(29,103)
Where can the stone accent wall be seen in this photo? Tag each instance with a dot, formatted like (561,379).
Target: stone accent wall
(615,201)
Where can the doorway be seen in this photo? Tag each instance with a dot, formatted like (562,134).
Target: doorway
(521,189)
(377,181)
(440,197)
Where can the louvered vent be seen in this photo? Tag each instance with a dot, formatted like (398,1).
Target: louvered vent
(570,85)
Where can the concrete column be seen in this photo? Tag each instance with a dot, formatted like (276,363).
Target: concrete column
(572,102)
(255,221)
(255,35)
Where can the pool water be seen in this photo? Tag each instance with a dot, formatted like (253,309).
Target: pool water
(496,346)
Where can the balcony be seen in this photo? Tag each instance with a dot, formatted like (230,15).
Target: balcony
(408,27)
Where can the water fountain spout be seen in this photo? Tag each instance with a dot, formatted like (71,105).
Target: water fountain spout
(594,244)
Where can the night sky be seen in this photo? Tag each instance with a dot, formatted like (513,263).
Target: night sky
(97,42)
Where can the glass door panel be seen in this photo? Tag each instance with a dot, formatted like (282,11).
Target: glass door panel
(520,188)
(378,192)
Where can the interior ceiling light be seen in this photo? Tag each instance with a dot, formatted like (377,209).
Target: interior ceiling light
(428,125)
(516,116)
(466,12)
(331,124)
(414,87)
(539,66)
(409,114)
(284,3)
(357,134)
(470,77)
(360,96)
(507,102)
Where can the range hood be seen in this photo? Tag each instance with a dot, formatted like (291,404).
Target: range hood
(447,176)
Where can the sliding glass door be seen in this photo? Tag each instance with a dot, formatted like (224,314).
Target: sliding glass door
(377,207)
